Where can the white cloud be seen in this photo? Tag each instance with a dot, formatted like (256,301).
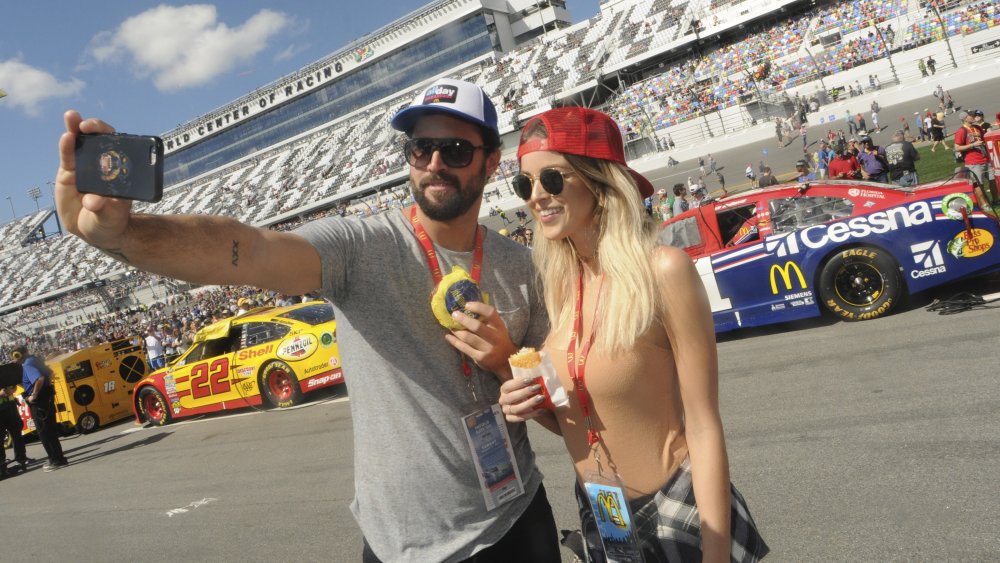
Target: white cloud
(28,87)
(186,46)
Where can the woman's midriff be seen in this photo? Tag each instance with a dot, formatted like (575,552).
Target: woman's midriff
(635,406)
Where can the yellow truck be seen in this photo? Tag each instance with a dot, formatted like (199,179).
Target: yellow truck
(94,385)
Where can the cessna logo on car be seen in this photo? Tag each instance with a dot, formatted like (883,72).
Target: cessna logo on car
(927,254)
(880,222)
(785,272)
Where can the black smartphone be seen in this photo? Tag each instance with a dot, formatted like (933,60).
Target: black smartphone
(120,165)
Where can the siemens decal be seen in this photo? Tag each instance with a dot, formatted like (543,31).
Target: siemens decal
(880,222)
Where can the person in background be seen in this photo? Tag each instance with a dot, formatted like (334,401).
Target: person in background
(845,166)
(680,201)
(10,422)
(902,158)
(154,349)
(823,157)
(803,174)
(40,395)
(767,179)
(969,142)
(632,326)
(872,159)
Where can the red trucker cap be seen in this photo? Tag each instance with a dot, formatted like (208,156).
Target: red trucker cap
(583,132)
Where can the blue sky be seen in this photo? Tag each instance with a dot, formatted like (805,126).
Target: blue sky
(147,67)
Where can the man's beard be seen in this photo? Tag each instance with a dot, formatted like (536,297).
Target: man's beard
(454,205)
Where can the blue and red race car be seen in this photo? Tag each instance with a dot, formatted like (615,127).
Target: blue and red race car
(856,249)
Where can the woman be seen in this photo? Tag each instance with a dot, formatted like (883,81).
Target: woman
(937,131)
(633,323)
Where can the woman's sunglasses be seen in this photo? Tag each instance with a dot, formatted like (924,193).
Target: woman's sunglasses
(456,153)
(552,181)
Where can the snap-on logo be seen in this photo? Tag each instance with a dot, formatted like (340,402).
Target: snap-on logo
(440,94)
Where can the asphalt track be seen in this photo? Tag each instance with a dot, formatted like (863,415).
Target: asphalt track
(871,441)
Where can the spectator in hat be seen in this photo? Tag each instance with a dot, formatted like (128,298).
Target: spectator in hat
(902,158)
(803,173)
(651,335)
(873,163)
(969,142)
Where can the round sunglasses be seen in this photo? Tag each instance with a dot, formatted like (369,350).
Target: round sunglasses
(456,153)
(552,181)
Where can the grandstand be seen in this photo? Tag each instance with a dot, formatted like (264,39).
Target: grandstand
(317,142)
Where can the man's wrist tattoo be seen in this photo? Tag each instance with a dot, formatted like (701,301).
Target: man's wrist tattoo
(236,253)
(117,254)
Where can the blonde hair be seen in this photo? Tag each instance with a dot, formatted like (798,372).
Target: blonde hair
(626,239)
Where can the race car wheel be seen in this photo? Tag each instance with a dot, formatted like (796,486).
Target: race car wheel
(87,423)
(280,386)
(860,283)
(153,406)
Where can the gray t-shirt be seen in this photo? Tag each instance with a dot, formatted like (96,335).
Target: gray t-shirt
(417,495)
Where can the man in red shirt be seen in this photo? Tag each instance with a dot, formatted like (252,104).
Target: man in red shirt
(969,142)
(845,166)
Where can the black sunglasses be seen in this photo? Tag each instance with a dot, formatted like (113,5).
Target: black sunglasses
(456,153)
(552,180)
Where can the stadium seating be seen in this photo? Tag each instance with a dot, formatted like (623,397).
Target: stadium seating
(334,164)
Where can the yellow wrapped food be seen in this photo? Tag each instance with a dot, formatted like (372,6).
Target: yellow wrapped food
(455,290)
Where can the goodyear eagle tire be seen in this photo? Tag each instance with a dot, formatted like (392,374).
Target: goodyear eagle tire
(87,423)
(279,385)
(860,283)
(153,406)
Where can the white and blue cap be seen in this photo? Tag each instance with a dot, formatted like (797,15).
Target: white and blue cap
(459,98)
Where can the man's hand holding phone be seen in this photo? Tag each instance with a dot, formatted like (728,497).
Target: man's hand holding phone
(98,219)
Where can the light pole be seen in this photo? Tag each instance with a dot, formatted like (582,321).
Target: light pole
(11,202)
(888,52)
(944,30)
(35,193)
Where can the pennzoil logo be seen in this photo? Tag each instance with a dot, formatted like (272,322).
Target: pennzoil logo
(785,273)
(298,347)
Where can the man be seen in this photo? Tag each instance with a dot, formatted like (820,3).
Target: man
(902,158)
(823,157)
(845,166)
(767,178)
(420,489)
(10,421)
(874,167)
(680,203)
(849,118)
(41,398)
(969,142)
(803,174)
(154,349)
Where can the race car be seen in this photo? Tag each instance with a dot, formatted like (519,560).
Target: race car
(856,249)
(272,354)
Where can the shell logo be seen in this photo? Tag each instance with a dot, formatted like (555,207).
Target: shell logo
(971,243)
(298,347)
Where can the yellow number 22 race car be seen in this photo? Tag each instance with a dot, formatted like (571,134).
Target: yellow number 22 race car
(269,353)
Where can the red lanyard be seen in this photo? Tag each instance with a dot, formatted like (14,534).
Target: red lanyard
(435,266)
(577,365)
(432,261)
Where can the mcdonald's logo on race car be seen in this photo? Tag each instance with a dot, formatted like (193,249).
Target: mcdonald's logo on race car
(785,272)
